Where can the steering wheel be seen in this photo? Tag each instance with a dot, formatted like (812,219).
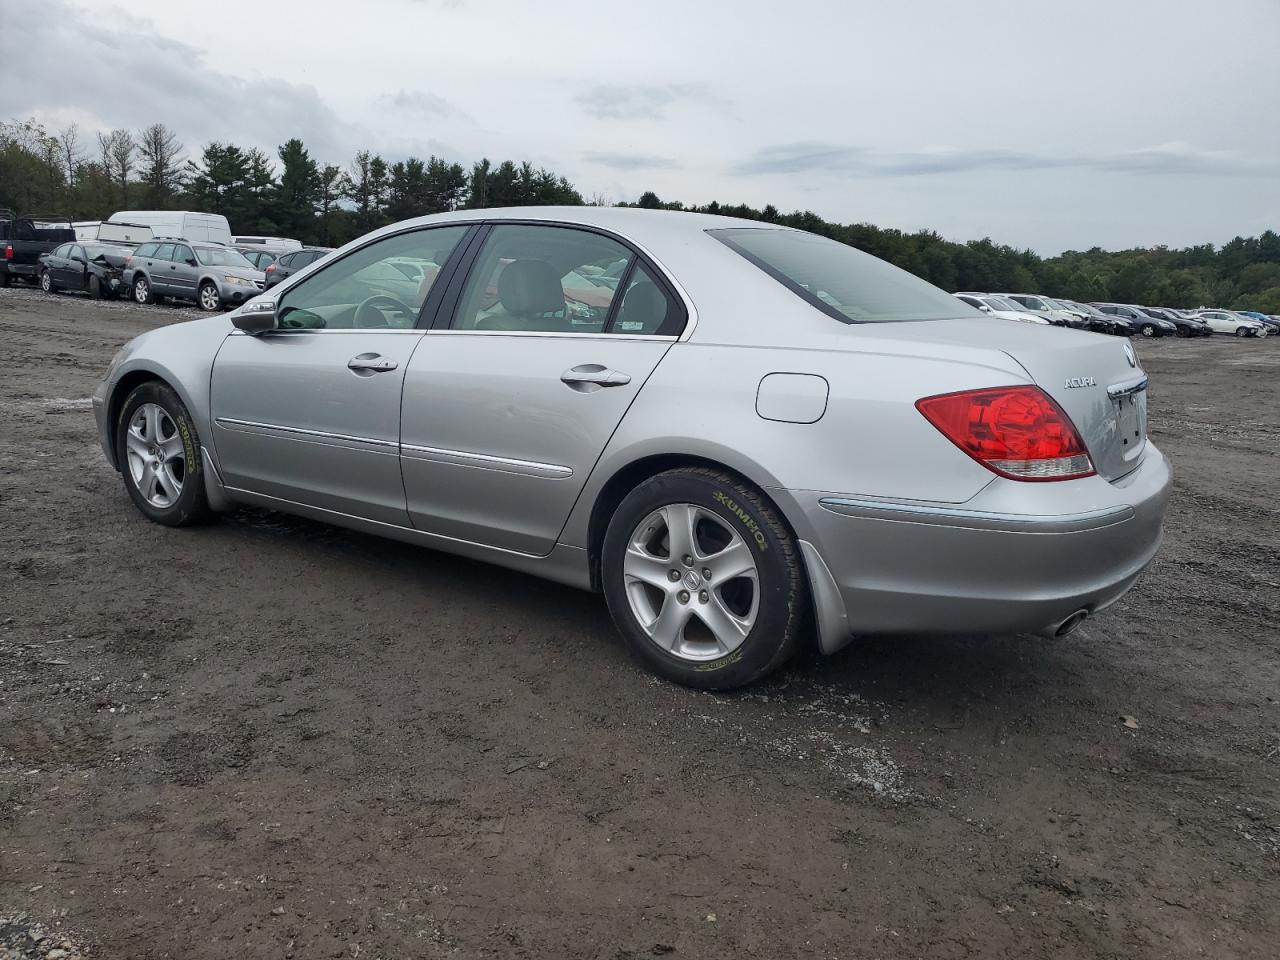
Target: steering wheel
(369,314)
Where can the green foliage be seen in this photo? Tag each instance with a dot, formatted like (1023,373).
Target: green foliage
(322,203)
(1244,274)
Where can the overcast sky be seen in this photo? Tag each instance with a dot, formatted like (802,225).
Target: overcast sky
(1052,125)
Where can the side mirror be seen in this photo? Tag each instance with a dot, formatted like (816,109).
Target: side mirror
(81,261)
(190,261)
(256,316)
(985,309)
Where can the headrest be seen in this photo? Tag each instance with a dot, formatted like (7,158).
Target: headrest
(645,305)
(530,287)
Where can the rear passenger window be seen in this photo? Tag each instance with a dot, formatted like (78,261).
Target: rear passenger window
(645,308)
(542,279)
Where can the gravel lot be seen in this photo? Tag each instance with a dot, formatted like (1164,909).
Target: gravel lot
(272,738)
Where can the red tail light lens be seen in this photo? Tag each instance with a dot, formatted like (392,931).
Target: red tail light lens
(1017,432)
(8,251)
(271,268)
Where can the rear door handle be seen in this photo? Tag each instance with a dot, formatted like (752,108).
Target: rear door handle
(367,364)
(588,377)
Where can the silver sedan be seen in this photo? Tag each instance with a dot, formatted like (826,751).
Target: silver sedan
(747,437)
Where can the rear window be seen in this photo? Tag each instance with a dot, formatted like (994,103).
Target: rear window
(841,281)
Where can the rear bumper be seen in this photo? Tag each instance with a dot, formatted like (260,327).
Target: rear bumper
(20,269)
(1009,561)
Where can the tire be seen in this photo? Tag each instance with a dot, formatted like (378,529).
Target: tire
(1182,333)
(1147,330)
(142,290)
(46,282)
(4,278)
(155,427)
(1242,331)
(208,297)
(732,524)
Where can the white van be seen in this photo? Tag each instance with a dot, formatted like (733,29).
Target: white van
(187,224)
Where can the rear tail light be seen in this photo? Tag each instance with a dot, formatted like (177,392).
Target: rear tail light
(271,268)
(8,251)
(1017,432)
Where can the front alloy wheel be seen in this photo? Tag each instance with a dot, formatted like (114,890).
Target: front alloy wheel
(1148,330)
(156,455)
(141,290)
(46,281)
(159,454)
(210,299)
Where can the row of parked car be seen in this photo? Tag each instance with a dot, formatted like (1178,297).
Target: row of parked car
(1123,319)
(148,256)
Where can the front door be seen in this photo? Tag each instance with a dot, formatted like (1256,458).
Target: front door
(183,272)
(310,413)
(508,409)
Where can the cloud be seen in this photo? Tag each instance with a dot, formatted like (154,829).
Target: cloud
(630,161)
(1177,159)
(619,101)
(423,104)
(135,78)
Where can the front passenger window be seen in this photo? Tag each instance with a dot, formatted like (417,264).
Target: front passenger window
(380,286)
(163,252)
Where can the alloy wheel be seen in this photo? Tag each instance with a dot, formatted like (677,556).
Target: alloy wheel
(209,298)
(46,281)
(691,581)
(140,290)
(156,455)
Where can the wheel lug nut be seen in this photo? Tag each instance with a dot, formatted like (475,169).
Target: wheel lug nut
(688,560)
(674,575)
(683,596)
(706,573)
(703,597)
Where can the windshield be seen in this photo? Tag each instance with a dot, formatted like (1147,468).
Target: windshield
(222,257)
(841,281)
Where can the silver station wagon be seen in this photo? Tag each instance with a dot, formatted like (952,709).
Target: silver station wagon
(747,437)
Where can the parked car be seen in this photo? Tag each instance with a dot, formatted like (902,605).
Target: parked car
(24,240)
(188,225)
(821,439)
(1000,307)
(1144,325)
(1075,318)
(1041,306)
(290,263)
(1272,325)
(1100,322)
(260,259)
(1183,326)
(210,274)
(95,268)
(1235,324)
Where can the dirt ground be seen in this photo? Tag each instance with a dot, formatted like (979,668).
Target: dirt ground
(272,738)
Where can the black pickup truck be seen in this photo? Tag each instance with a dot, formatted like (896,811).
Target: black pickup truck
(24,239)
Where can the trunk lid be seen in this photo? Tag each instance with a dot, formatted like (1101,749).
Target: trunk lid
(1094,378)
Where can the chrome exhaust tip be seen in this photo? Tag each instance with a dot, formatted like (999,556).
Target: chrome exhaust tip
(1069,625)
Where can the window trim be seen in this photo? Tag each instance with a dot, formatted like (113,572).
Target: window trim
(444,320)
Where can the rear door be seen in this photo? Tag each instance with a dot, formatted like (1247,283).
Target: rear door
(508,406)
(159,268)
(183,272)
(310,413)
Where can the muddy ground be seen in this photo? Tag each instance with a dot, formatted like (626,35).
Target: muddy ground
(273,738)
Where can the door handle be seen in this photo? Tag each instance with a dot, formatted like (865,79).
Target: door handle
(367,364)
(589,377)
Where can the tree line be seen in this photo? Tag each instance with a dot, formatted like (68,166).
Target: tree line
(294,194)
